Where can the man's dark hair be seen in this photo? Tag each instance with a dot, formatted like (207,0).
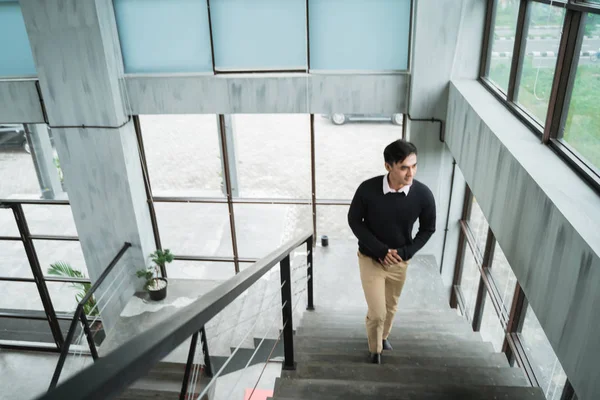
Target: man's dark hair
(398,151)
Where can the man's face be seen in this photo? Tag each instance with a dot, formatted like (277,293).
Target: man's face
(403,172)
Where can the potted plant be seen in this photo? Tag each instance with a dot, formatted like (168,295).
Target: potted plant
(155,284)
(90,308)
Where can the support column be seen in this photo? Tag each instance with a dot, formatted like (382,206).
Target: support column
(232,156)
(438,56)
(76,50)
(43,159)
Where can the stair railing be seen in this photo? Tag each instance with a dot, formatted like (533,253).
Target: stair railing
(80,316)
(111,375)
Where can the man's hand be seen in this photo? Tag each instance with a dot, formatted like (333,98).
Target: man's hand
(391,258)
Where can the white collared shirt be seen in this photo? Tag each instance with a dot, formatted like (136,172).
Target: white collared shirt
(387,189)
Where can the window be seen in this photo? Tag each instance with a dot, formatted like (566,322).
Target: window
(359,34)
(547,368)
(570,123)
(539,62)
(16,59)
(503,277)
(491,329)
(355,143)
(479,226)
(273,155)
(503,41)
(263,228)
(469,283)
(193,229)
(582,127)
(261,34)
(183,154)
(164,36)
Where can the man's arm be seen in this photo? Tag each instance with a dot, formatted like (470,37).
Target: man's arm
(356,216)
(426,228)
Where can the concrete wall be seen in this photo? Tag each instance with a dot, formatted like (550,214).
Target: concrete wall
(19,101)
(545,219)
(268,93)
(229,94)
(447,42)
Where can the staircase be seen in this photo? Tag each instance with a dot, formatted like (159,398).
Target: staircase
(436,356)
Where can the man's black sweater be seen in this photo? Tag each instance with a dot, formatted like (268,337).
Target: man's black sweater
(382,222)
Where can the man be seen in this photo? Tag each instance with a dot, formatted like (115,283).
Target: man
(382,214)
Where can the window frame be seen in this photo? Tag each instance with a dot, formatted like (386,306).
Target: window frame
(562,84)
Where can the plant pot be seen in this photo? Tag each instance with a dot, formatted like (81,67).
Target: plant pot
(158,294)
(98,332)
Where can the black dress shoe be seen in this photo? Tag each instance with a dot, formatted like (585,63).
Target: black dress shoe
(387,345)
(376,358)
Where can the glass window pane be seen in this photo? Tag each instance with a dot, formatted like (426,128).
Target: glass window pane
(260,34)
(359,34)
(333,222)
(164,36)
(183,155)
(50,220)
(479,226)
(491,328)
(504,278)
(194,229)
(8,225)
(63,295)
(547,368)
(539,62)
(582,128)
(263,228)
(14,260)
(503,41)
(273,155)
(356,143)
(16,165)
(15,52)
(201,270)
(20,296)
(469,282)
(50,252)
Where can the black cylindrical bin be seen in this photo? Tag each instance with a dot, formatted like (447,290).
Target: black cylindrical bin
(324,241)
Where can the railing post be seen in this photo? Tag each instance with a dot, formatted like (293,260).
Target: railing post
(65,349)
(207,364)
(188,366)
(310,276)
(88,335)
(286,301)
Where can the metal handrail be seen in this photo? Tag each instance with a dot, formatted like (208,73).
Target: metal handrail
(79,315)
(112,374)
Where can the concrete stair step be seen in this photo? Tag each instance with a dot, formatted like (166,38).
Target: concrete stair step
(320,389)
(362,310)
(415,325)
(450,347)
(424,316)
(399,359)
(162,389)
(409,375)
(396,334)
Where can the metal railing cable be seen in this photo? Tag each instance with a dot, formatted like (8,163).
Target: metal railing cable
(272,348)
(258,346)
(79,316)
(251,317)
(115,372)
(271,297)
(78,354)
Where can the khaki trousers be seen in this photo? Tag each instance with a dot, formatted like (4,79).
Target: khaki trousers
(382,286)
